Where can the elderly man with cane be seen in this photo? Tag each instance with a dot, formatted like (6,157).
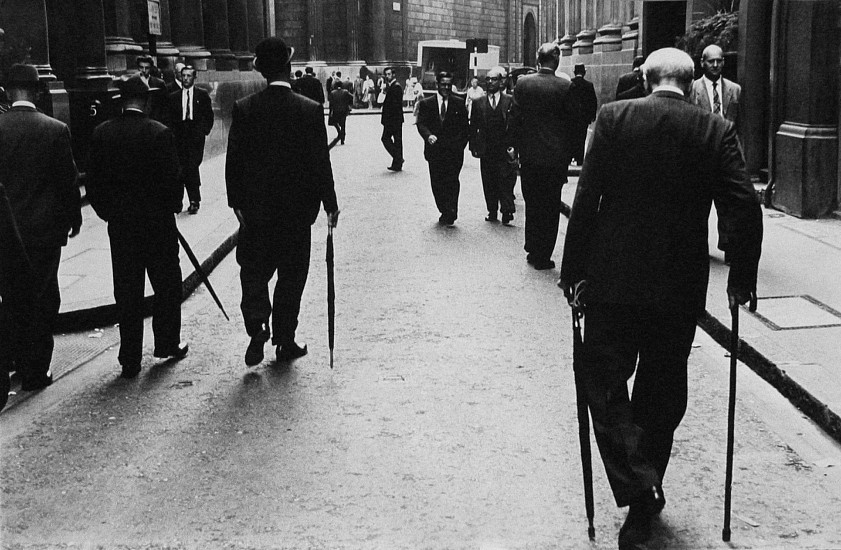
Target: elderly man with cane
(636,260)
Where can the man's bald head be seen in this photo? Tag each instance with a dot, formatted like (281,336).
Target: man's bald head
(549,56)
(669,66)
(712,62)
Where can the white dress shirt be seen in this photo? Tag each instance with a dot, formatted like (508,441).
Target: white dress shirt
(708,85)
(187,99)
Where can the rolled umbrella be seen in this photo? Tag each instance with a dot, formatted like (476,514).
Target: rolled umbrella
(583,418)
(201,272)
(331,294)
(731,420)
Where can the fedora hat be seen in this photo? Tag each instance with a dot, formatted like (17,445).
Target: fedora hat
(22,76)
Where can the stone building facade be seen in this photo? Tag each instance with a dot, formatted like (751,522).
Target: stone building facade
(788,59)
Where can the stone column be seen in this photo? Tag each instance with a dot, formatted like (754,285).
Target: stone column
(238,29)
(216,36)
(165,46)
(610,31)
(188,32)
(754,68)
(584,42)
(91,65)
(25,24)
(353,34)
(571,26)
(378,30)
(805,169)
(256,23)
(120,47)
(315,47)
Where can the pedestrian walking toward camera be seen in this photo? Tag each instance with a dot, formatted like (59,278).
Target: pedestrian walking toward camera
(584,97)
(39,174)
(392,119)
(491,141)
(139,205)
(191,119)
(636,261)
(278,173)
(340,101)
(445,129)
(542,118)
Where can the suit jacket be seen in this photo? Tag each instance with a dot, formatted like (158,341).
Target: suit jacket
(452,134)
(638,227)
(628,81)
(38,170)
(156,103)
(584,95)
(202,116)
(278,167)
(393,105)
(130,174)
(479,125)
(542,118)
(310,86)
(730,93)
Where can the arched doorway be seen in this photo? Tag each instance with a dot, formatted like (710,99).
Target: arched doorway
(529,41)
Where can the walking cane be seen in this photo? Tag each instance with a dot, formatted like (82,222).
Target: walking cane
(331,294)
(583,418)
(731,418)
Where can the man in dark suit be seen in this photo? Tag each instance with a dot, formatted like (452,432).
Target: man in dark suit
(309,86)
(392,120)
(139,205)
(490,142)
(584,97)
(278,173)
(158,91)
(190,116)
(630,85)
(636,259)
(39,173)
(543,117)
(445,129)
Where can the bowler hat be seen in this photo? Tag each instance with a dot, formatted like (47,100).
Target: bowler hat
(579,68)
(22,76)
(132,86)
(273,55)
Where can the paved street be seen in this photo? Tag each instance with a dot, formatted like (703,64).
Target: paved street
(448,421)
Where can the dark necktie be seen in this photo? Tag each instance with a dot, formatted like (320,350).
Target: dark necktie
(493,101)
(716,100)
(443,110)
(189,115)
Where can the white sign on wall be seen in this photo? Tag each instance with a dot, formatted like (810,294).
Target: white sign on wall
(154,17)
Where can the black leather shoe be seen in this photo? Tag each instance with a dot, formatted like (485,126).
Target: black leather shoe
(254,352)
(35,383)
(491,217)
(637,527)
(178,352)
(194,208)
(395,167)
(543,264)
(287,352)
(130,370)
(507,218)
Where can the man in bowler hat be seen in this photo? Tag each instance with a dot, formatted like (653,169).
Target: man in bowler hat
(278,173)
(39,173)
(139,206)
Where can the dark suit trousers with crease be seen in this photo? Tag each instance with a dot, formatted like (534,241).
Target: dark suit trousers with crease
(498,180)
(635,434)
(190,145)
(542,194)
(392,140)
(443,175)
(261,253)
(140,247)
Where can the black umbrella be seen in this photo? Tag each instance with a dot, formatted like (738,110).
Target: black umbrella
(583,417)
(200,271)
(331,294)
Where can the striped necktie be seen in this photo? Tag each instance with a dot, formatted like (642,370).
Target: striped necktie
(716,100)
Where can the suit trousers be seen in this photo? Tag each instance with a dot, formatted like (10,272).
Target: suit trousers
(443,175)
(635,434)
(393,141)
(542,194)
(498,180)
(190,144)
(579,140)
(28,314)
(138,247)
(262,252)
(339,123)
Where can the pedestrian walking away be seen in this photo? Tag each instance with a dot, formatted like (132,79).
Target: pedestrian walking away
(277,173)
(190,115)
(139,204)
(636,257)
(542,118)
(392,120)
(630,84)
(39,173)
(492,143)
(584,97)
(340,104)
(445,129)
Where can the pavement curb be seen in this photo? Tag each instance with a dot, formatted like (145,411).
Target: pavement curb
(797,395)
(85,319)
